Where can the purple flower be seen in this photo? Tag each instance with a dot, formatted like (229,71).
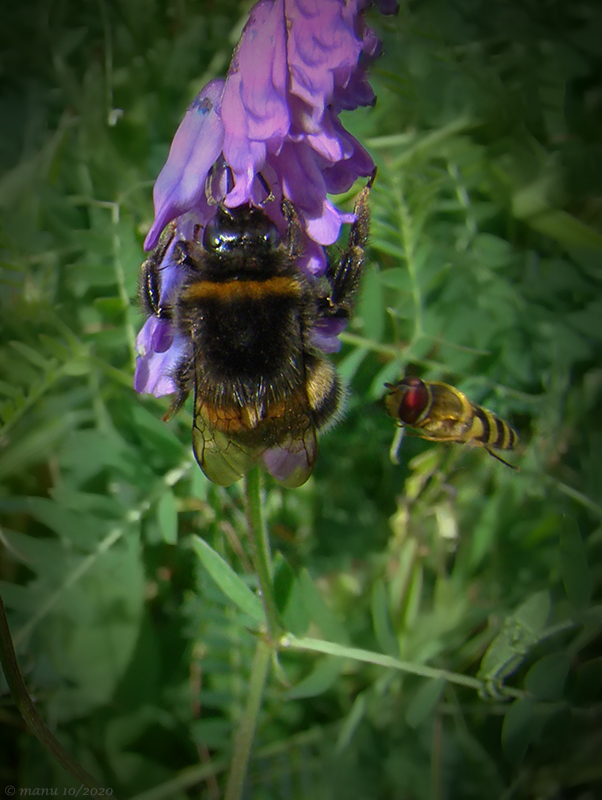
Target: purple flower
(160,350)
(273,122)
(196,146)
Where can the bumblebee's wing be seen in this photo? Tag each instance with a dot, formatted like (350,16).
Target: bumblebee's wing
(225,460)
(222,460)
(292,461)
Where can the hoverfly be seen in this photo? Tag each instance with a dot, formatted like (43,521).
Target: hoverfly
(441,413)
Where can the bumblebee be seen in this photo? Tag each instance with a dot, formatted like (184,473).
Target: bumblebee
(440,413)
(262,389)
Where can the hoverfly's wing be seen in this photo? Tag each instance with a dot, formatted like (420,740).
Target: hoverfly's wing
(451,414)
(292,461)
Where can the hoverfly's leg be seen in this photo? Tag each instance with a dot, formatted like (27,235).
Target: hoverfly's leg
(499,458)
(396,444)
(294,230)
(344,277)
(184,379)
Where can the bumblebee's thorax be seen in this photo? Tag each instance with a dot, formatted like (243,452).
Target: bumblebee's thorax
(240,244)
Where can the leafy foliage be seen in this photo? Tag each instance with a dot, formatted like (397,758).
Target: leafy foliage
(444,614)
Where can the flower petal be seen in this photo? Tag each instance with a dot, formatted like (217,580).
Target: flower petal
(324,334)
(322,48)
(195,147)
(160,351)
(258,77)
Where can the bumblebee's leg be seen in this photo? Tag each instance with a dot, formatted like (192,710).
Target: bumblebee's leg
(344,277)
(269,198)
(184,380)
(149,284)
(293,229)
(218,182)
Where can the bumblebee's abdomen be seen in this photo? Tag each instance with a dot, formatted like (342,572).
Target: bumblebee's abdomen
(290,413)
(323,390)
(491,431)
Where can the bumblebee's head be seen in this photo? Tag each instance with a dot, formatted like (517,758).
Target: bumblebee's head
(243,228)
(407,399)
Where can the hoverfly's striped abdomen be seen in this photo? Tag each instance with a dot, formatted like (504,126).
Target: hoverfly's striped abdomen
(494,432)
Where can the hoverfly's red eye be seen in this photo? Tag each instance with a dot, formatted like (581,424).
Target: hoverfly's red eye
(414,400)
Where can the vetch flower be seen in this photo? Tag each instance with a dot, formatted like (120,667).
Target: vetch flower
(271,126)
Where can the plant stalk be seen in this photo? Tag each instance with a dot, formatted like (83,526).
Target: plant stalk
(245,734)
(29,712)
(260,551)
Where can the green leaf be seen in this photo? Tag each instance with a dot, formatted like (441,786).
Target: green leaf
(31,355)
(228,581)
(520,633)
(566,229)
(9,390)
(557,731)
(56,347)
(491,251)
(576,576)
(533,614)
(319,612)
(320,679)
(150,427)
(518,729)
(389,373)
(397,278)
(19,598)
(351,722)
(100,504)
(167,515)
(424,701)
(588,682)
(94,628)
(546,678)
(349,365)
(288,596)
(381,620)
(371,306)
(212,732)
(485,530)
(37,444)
(84,530)
(46,555)
(587,320)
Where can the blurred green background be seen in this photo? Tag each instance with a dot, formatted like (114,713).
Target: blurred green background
(485,271)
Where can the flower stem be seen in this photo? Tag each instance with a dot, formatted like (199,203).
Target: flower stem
(246,728)
(29,712)
(260,551)
(262,561)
